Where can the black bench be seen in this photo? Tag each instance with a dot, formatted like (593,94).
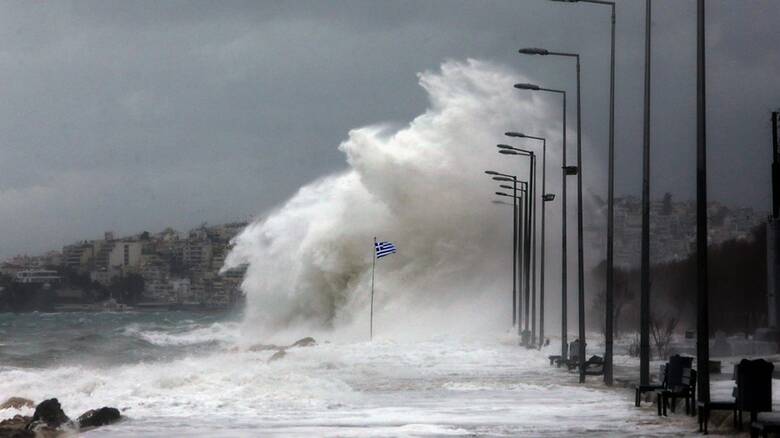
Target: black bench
(670,374)
(686,390)
(594,366)
(753,393)
(766,423)
(715,405)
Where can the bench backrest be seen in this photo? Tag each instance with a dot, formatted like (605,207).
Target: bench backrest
(676,369)
(689,379)
(754,385)
(574,349)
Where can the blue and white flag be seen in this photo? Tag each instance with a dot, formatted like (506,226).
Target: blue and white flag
(383,249)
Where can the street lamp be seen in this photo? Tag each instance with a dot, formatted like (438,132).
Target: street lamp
(520,231)
(580,243)
(544,201)
(514,239)
(522,239)
(530,248)
(566,170)
(610,298)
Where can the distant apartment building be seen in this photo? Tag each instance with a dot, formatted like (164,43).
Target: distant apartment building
(181,291)
(156,274)
(78,256)
(125,254)
(196,253)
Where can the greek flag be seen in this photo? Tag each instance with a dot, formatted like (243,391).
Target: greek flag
(383,249)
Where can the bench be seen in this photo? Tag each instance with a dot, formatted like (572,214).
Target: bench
(766,423)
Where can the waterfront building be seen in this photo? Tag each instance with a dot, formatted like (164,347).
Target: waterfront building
(37,276)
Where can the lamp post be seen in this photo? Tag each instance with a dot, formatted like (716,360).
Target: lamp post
(545,198)
(531,239)
(644,305)
(702,294)
(610,298)
(514,243)
(521,209)
(521,226)
(580,243)
(564,172)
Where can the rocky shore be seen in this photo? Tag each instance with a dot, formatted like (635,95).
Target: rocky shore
(49,420)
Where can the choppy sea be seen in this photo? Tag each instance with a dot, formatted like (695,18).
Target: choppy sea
(191,374)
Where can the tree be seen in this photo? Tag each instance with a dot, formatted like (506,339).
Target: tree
(662,329)
(127,288)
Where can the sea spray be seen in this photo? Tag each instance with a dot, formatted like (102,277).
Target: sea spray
(422,187)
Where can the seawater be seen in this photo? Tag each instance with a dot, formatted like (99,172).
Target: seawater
(189,374)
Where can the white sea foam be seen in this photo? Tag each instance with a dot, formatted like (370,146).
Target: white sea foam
(188,333)
(384,388)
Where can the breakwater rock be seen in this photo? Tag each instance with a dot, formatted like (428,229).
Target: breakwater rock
(49,420)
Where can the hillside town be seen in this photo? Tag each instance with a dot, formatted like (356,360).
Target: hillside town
(672,228)
(161,270)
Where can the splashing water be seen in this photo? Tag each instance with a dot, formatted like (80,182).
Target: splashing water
(421,187)
(309,265)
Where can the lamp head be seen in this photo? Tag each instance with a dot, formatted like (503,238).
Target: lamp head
(526,87)
(533,51)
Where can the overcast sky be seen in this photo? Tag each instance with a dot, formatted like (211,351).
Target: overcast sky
(132,116)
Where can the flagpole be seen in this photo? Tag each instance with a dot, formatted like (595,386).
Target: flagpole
(373,268)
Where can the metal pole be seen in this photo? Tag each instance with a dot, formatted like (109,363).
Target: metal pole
(564,295)
(775,168)
(514,253)
(528,227)
(541,279)
(580,249)
(644,317)
(521,242)
(702,320)
(533,244)
(371,318)
(610,310)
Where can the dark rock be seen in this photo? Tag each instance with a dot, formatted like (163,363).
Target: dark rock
(263,347)
(15,428)
(305,342)
(278,355)
(99,417)
(17,403)
(50,412)
(39,429)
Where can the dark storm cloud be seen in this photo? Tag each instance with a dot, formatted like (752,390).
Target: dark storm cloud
(139,115)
